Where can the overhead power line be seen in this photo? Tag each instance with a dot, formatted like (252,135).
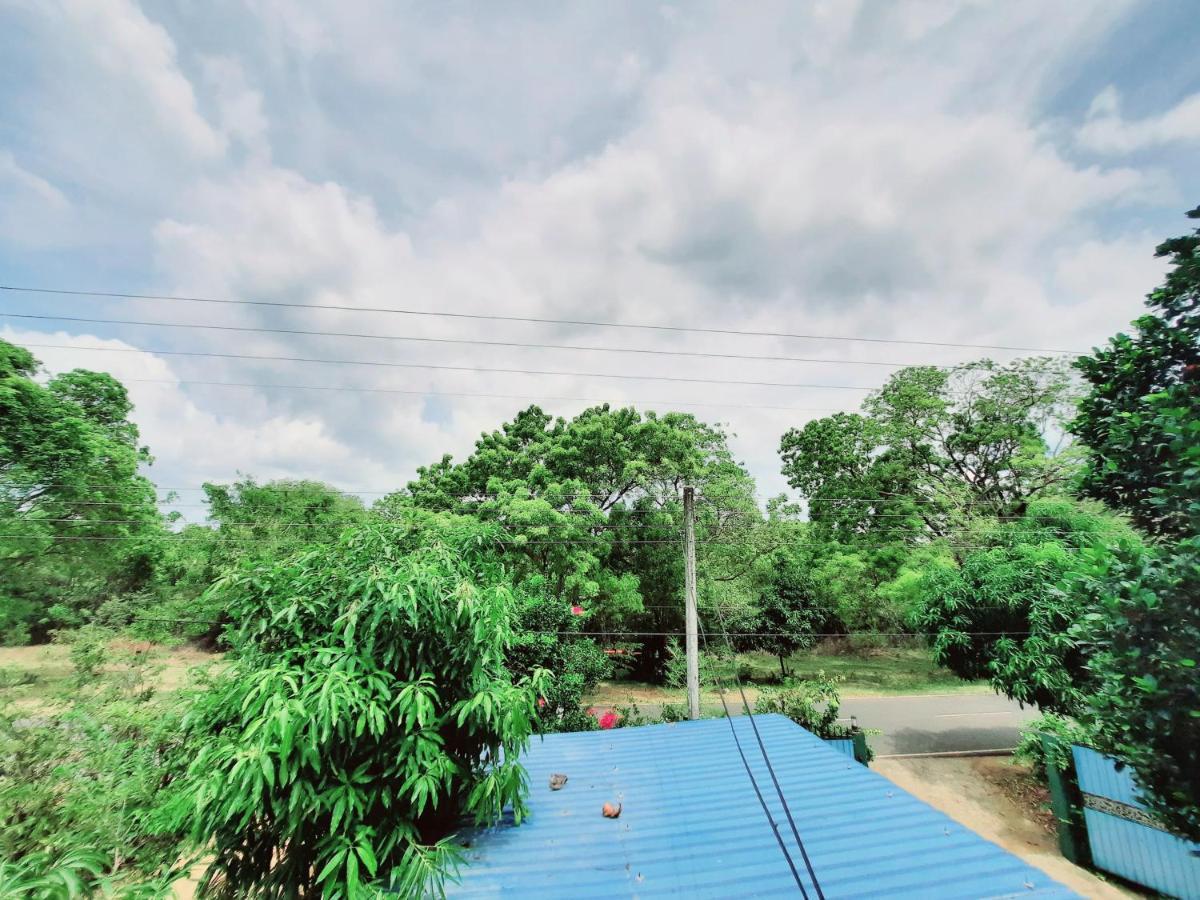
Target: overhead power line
(416,393)
(494,317)
(445,368)
(465,341)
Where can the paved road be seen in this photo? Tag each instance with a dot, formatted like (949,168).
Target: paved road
(938,723)
(922,723)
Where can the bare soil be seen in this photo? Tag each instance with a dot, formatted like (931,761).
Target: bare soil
(1001,801)
(46,671)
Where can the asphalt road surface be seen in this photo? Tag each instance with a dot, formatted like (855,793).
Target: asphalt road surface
(939,723)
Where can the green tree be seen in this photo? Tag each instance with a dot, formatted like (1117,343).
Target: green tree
(368,706)
(1140,423)
(79,524)
(934,448)
(1006,612)
(590,509)
(247,520)
(1142,637)
(789,610)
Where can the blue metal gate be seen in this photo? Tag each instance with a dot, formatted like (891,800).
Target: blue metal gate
(1124,838)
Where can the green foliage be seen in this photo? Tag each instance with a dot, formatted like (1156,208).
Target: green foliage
(43,876)
(812,703)
(1143,638)
(1005,612)
(932,444)
(367,707)
(88,650)
(1141,420)
(789,610)
(674,712)
(251,521)
(69,459)
(590,509)
(82,781)
(1141,426)
(1031,750)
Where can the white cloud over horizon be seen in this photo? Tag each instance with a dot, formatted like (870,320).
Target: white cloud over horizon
(891,171)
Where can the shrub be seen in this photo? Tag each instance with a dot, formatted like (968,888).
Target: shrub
(674,712)
(1143,639)
(88,650)
(86,778)
(814,704)
(675,670)
(560,706)
(1030,750)
(367,709)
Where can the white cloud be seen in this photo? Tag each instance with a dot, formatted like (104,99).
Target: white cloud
(1108,131)
(833,169)
(132,50)
(32,210)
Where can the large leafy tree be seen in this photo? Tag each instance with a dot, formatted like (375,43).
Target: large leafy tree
(590,510)
(367,709)
(1141,426)
(80,524)
(1140,417)
(247,520)
(1004,612)
(934,448)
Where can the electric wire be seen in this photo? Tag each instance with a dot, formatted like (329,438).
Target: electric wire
(494,317)
(258,329)
(679,379)
(475,394)
(754,782)
(762,747)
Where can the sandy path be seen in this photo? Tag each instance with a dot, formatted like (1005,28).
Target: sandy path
(967,791)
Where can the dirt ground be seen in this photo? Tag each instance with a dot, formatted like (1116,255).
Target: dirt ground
(1000,801)
(46,669)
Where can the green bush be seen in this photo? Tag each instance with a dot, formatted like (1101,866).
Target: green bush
(367,709)
(1067,731)
(86,778)
(44,876)
(674,712)
(813,704)
(88,650)
(1144,643)
(675,669)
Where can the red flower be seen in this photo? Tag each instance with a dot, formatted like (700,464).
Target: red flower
(541,702)
(609,719)
(577,610)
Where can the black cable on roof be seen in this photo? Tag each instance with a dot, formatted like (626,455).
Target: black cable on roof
(753,781)
(767,759)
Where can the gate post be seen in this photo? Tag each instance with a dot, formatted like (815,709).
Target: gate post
(1067,802)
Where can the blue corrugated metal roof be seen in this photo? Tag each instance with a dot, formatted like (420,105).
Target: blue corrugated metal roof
(691,825)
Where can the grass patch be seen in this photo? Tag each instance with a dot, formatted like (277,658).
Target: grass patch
(34,677)
(864,672)
(891,670)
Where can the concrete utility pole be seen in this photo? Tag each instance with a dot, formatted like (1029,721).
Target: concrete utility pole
(692,643)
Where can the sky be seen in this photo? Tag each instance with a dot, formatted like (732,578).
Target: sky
(975,172)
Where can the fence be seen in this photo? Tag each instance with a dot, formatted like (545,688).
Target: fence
(1124,839)
(853,747)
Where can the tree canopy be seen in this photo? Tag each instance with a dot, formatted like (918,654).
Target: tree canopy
(79,520)
(367,708)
